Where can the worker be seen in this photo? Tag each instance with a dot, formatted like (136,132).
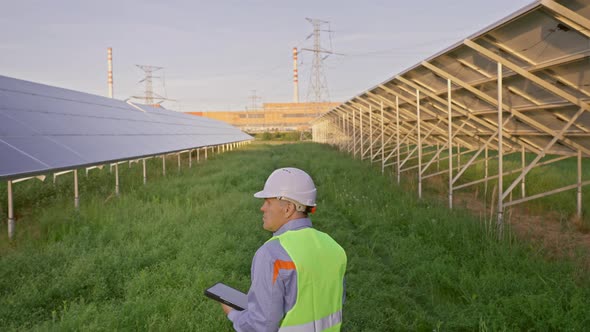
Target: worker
(297,275)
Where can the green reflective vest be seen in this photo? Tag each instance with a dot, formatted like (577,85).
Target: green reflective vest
(320,263)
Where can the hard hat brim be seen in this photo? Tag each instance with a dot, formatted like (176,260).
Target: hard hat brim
(263,194)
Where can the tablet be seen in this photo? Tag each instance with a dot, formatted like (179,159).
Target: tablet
(227,295)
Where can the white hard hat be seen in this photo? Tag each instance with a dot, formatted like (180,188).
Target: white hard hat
(289,183)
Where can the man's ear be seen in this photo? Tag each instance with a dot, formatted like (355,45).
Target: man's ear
(290,209)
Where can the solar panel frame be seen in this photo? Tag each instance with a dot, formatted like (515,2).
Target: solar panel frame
(539,56)
(46,129)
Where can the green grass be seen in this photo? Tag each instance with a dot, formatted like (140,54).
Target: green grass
(287,136)
(141,261)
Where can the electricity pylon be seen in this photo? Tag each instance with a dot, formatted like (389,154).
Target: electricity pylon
(318,83)
(149,89)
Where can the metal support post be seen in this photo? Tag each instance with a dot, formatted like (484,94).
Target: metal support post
(76,196)
(178,155)
(343,142)
(419,144)
(500,221)
(486,167)
(344,136)
(371,131)
(348,140)
(438,157)
(354,133)
(382,141)
(398,141)
(346,133)
(362,136)
(522,183)
(116,178)
(343,132)
(205,153)
(164,165)
(144,172)
(351,132)
(190,158)
(10,212)
(450,139)
(198,155)
(459,155)
(579,195)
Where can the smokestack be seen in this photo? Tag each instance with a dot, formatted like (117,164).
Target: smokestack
(295,77)
(110,61)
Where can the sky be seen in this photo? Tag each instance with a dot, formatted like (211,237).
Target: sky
(217,54)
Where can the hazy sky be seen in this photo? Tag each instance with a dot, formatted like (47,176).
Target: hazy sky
(215,53)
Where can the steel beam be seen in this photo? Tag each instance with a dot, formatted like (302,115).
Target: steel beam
(412,104)
(540,82)
(539,156)
(478,94)
(547,193)
(513,171)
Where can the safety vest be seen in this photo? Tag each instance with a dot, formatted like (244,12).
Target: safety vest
(320,263)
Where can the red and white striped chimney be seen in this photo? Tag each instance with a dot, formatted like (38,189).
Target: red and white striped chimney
(295,77)
(110,80)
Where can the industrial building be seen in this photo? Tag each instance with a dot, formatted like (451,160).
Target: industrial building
(273,116)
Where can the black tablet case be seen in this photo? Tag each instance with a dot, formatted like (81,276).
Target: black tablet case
(225,294)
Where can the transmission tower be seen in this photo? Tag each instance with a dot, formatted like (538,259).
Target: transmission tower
(318,83)
(254,98)
(149,89)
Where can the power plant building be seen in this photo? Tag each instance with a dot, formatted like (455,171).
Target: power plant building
(273,116)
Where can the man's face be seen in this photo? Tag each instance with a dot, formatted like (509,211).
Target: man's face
(275,214)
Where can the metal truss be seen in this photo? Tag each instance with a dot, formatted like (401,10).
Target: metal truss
(508,89)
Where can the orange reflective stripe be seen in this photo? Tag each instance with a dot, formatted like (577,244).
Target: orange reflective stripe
(284,265)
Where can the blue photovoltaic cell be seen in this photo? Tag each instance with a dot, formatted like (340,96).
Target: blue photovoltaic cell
(49,152)
(44,128)
(14,161)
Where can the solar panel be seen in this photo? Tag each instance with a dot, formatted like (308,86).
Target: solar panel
(545,53)
(45,128)
(539,60)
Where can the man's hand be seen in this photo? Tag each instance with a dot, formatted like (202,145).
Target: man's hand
(226,308)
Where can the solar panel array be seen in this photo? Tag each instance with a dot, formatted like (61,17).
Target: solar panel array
(521,85)
(544,50)
(44,129)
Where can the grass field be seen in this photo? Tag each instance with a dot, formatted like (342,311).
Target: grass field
(141,261)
